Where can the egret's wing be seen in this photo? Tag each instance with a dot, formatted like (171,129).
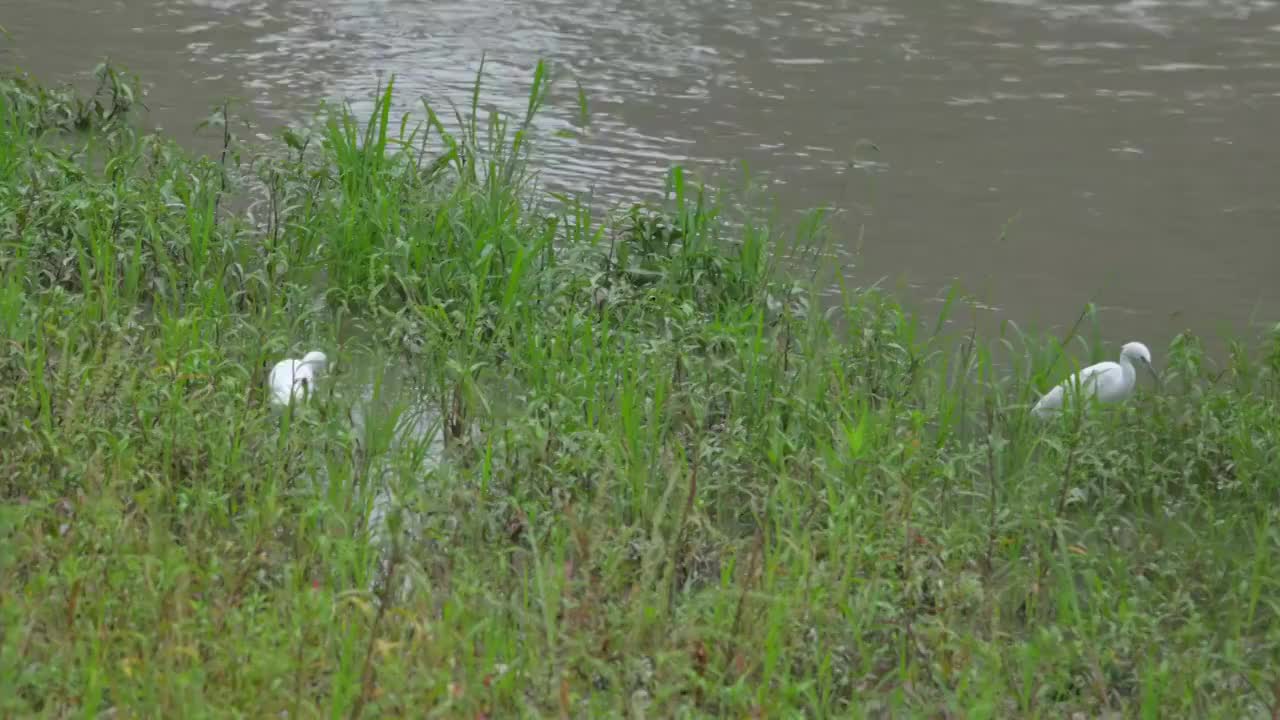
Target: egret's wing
(1112,385)
(1094,374)
(1087,380)
(282,379)
(1099,380)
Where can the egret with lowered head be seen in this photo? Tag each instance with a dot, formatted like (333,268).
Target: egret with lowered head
(293,379)
(1107,382)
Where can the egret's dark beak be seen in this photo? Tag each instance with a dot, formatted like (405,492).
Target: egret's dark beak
(1153,372)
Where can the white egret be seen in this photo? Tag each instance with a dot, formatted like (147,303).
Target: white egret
(1107,382)
(293,379)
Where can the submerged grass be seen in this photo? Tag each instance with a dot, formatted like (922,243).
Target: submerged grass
(674,483)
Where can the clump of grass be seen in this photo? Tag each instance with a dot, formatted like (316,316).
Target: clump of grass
(673,482)
(40,109)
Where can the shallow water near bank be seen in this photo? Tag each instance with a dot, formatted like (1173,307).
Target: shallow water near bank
(1042,155)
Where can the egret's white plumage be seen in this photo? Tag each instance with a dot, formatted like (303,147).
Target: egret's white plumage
(293,379)
(1107,382)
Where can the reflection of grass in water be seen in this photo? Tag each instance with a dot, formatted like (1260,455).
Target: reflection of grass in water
(669,485)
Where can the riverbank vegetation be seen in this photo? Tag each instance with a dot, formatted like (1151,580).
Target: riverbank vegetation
(676,481)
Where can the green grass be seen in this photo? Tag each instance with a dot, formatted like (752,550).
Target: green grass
(675,483)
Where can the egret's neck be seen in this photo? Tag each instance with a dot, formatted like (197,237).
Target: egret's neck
(1126,367)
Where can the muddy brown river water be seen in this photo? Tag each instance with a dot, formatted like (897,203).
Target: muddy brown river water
(1040,154)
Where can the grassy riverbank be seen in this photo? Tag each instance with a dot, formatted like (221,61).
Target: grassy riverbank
(674,484)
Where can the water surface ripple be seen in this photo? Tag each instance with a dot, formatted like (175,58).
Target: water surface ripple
(1043,154)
